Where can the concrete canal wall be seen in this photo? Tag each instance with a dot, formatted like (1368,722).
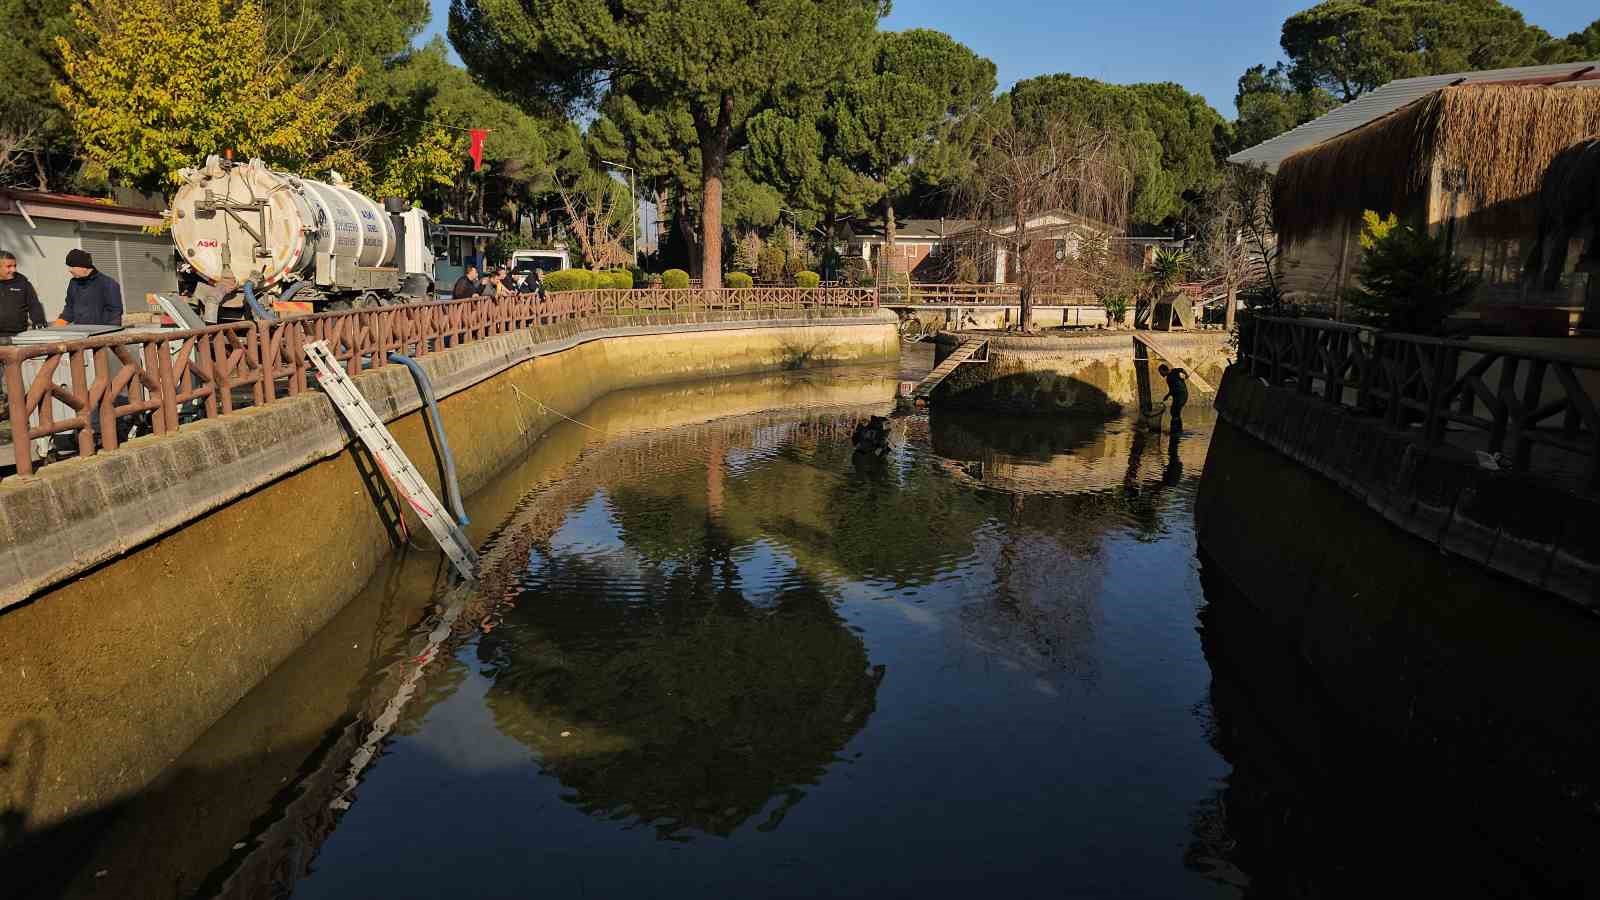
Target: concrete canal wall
(117,650)
(1090,372)
(1448,609)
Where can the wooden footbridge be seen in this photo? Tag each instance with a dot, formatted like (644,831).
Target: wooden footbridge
(970,350)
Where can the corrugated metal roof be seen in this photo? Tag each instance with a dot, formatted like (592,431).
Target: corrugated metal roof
(1384,100)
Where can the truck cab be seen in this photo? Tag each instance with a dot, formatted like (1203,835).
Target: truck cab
(524,262)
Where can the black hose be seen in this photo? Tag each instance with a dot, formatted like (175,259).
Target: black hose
(259,311)
(452,489)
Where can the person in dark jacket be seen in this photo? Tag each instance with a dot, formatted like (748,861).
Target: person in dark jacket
(19,302)
(466,285)
(1178,391)
(93,297)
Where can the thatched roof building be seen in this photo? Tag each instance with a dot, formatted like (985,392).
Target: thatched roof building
(1467,156)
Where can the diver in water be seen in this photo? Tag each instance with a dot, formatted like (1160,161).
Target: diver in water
(872,436)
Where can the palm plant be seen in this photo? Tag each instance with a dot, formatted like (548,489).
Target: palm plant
(1168,270)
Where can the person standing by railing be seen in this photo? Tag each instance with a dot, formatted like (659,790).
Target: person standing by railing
(20,308)
(465,286)
(93,297)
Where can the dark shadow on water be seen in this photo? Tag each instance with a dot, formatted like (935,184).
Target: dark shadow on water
(263,775)
(1319,807)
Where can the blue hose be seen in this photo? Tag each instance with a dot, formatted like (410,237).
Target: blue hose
(452,488)
(259,311)
(293,289)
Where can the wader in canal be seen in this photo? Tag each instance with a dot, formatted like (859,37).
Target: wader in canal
(1177,392)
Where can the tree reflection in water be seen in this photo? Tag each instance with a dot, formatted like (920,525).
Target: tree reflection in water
(684,707)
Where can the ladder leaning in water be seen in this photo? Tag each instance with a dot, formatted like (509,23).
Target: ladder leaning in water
(353,405)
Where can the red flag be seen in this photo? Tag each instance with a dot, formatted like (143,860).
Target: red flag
(476,150)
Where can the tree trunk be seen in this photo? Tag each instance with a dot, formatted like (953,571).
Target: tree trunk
(828,223)
(1228,314)
(687,233)
(714,141)
(890,256)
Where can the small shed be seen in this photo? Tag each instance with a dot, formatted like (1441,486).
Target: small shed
(39,228)
(1464,153)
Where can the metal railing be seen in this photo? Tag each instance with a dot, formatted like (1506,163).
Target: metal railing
(1534,409)
(87,392)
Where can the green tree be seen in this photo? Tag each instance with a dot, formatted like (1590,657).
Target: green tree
(120,68)
(425,100)
(1410,281)
(1586,43)
(1167,138)
(1349,47)
(725,61)
(921,82)
(29,68)
(795,147)
(1269,105)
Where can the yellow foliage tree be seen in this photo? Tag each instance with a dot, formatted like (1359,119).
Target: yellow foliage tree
(152,86)
(1375,228)
(402,169)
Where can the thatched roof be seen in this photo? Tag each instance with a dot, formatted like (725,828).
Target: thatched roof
(1493,141)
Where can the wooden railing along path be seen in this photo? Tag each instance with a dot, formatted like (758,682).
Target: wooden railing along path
(163,378)
(1534,409)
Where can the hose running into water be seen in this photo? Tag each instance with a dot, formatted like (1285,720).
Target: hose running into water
(452,488)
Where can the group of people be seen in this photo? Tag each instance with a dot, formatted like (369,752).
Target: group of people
(93,297)
(496,282)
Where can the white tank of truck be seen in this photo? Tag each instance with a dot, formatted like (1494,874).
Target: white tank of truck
(244,222)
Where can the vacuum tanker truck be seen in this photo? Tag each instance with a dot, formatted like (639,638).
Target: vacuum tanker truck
(257,237)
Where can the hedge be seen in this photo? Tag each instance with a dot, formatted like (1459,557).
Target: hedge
(675,279)
(569,280)
(807,279)
(739,280)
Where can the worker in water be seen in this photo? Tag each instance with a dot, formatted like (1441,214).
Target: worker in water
(466,285)
(19,302)
(1177,392)
(93,297)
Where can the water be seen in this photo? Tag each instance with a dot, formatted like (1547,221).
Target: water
(757,665)
(716,653)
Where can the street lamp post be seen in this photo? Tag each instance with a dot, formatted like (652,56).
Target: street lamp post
(633,203)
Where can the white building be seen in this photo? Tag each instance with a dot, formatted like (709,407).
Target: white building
(40,228)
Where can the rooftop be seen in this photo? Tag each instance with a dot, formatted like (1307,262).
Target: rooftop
(1378,103)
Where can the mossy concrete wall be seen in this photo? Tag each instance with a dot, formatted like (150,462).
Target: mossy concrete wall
(1094,372)
(122,649)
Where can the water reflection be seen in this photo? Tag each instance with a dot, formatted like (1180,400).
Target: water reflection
(685,708)
(717,644)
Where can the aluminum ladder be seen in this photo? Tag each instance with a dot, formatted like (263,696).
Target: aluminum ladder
(353,405)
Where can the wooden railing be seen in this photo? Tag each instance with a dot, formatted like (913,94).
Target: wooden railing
(1535,409)
(158,380)
(979,295)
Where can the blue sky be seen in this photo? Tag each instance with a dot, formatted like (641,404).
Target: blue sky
(1203,45)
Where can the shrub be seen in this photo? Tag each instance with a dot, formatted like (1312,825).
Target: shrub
(675,279)
(569,280)
(807,279)
(1409,280)
(615,280)
(769,267)
(738,280)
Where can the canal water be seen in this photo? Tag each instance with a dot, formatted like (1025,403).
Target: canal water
(718,653)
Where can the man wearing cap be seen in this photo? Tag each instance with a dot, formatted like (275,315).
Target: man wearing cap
(93,298)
